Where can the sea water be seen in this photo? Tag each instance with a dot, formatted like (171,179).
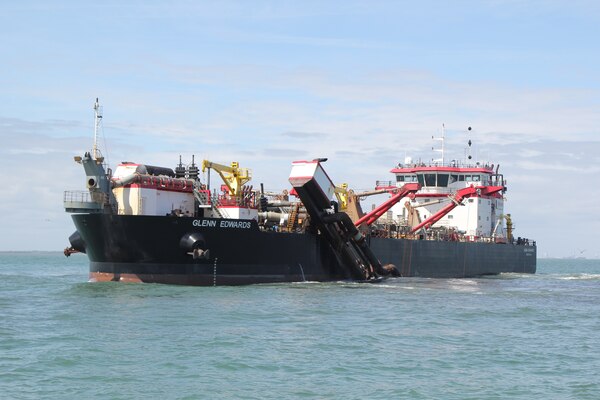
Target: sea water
(510,336)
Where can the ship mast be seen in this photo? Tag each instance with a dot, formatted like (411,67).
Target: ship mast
(441,150)
(97,122)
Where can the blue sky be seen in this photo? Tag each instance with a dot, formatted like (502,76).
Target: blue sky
(265,83)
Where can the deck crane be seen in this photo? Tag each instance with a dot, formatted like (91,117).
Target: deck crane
(233,176)
(509,227)
(456,200)
(408,189)
(342,193)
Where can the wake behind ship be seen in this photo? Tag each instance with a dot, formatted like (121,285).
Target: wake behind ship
(143,223)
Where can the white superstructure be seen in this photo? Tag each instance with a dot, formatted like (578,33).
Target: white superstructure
(480,215)
(138,193)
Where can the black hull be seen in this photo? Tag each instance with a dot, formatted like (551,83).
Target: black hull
(433,259)
(154,249)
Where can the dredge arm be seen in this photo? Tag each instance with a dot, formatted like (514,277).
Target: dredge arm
(408,189)
(315,190)
(457,199)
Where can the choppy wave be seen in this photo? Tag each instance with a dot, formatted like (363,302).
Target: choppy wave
(580,277)
(521,336)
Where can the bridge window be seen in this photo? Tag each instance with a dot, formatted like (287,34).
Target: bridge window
(429,179)
(476,178)
(442,180)
(421,179)
(406,178)
(453,178)
(461,178)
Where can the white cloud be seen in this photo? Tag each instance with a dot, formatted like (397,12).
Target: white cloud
(262,84)
(558,166)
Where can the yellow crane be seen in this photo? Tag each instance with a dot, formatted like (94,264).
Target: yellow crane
(342,193)
(233,176)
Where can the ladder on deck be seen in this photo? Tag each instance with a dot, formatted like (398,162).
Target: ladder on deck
(293,218)
(205,202)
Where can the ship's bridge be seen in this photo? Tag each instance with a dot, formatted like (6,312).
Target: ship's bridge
(480,214)
(443,178)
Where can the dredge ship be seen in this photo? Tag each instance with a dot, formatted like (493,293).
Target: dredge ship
(144,223)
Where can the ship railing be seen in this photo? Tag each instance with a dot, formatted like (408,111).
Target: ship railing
(80,196)
(451,164)
(85,196)
(436,190)
(385,184)
(84,201)
(519,241)
(247,201)
(402,232)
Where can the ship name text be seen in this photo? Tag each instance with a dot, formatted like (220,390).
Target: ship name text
(222,224)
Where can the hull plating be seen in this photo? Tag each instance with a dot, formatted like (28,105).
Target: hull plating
(154,249)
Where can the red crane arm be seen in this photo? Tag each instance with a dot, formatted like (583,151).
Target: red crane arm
(458,197)
(406,190)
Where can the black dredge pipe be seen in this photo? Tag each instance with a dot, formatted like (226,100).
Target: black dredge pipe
(309,195)
(357,238)
(347,242)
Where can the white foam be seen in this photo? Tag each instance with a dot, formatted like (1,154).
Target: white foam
(580,277)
